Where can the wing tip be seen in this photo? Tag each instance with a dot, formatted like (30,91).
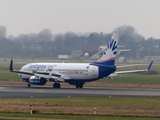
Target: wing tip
(150,65)
(11,65)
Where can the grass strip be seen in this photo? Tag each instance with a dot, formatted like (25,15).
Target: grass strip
(18,116)
(109,106)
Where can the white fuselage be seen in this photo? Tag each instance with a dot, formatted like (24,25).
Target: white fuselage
(69,71)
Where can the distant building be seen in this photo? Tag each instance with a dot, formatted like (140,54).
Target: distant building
(152,57)
(63,56)
(76,53)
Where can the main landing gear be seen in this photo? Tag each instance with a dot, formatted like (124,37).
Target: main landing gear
(79,84)
(56,85)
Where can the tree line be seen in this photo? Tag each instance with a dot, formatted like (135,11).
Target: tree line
(45,44)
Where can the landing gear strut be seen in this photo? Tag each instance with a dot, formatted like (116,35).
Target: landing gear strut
(56,85)
(29,85)
(79,84)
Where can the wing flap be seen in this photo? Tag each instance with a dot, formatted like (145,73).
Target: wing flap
(55,77)
(22,72)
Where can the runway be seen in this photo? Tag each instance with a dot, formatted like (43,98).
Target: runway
(47,91)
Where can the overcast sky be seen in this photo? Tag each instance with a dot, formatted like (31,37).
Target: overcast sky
(60,16)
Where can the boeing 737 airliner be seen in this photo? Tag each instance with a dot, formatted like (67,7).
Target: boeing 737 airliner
(74,73)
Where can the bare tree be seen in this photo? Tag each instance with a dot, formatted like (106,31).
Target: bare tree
(127,30)
(45,35)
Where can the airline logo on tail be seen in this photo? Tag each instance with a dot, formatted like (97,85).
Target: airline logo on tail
(108,57)
(112,46)
(110,52)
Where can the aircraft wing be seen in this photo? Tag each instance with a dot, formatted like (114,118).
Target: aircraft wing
(21,72)
(131,71)
(49,74)
(52,75)
(55,77)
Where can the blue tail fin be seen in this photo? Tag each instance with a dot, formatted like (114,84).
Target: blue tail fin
(109,55)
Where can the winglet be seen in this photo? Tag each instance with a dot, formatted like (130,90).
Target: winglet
(150,65)
(11,65)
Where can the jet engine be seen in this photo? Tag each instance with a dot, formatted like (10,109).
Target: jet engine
(37,80)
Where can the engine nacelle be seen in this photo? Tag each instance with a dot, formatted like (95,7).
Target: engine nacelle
(37,81)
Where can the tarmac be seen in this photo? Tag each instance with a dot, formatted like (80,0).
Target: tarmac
(17,91)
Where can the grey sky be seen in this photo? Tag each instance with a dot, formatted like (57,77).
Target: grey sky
(31,16)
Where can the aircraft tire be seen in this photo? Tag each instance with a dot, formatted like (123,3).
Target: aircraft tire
(56,85)
(29,85)
(80,85)
(77,85)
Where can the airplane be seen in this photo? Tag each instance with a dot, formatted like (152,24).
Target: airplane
(74,73)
